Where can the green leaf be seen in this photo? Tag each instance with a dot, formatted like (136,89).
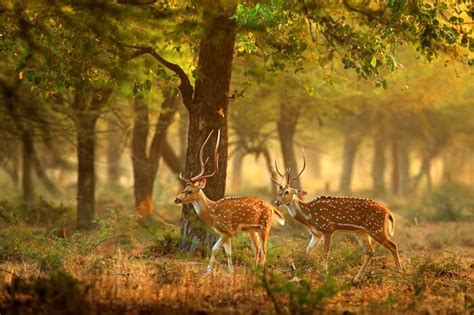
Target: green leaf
(373,62)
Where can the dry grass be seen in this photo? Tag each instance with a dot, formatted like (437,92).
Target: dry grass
(121,275)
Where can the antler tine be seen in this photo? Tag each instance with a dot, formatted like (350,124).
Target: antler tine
(201,151)
(278,171)
(183,178)
(301,172)
(216,156)
(273,180)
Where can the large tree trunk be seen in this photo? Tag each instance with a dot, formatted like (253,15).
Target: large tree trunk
(143,177)
(86,137)
(146,161)
(286,125)
(86,106)
(208,112)
(27,163)
(351,144)
(378,166)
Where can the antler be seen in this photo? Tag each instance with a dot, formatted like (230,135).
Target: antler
(301,172)
(281,174)
(216,157)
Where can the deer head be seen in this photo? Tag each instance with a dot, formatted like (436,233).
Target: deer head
(286,194)
(194,185)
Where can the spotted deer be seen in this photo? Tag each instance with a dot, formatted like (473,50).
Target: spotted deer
(229,215)
(326,215)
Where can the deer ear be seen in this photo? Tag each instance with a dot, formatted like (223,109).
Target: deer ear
(302,193)
(200,183)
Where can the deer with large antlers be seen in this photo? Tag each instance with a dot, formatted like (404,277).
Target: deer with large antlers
(230,215)
(325,215)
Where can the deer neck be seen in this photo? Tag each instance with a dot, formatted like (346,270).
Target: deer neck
(203,206)
(296,211)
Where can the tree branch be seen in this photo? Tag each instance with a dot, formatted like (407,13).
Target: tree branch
(185,87)
(371,14)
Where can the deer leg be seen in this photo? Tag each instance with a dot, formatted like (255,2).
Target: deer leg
(215,248)
(392,247)
(263,246)
(327,247)
(315,240)
(228,253)
(256,245)
(366,242)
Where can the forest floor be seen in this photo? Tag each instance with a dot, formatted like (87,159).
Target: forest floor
(125,268)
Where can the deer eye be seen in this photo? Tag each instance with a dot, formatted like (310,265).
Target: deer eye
(286,192)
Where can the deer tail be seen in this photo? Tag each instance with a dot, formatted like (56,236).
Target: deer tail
(279,216)
(391,224)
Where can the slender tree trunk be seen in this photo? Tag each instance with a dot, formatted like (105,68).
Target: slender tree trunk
(86,138)
(404,168)
(146,161)
(316,163)
(114,139)
(286,125)
(11,169)
(208,112)
(429,181)
(395,165)
(351,144)
(268,162)
(27,167)
(237,169)
(378,166)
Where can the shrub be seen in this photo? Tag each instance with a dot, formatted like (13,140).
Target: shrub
(302,297)
(40,212)
(450,202)
(165,245)
(59,292)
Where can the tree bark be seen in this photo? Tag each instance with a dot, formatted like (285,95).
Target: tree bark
(237,169)
(378,166)
(114,139)
(286,126)
(351,144)
(404,168)
(271,172)
(401,166)
(395,165)
(86,138)
(27,167)
(146,161)
(86,107)
(208,111)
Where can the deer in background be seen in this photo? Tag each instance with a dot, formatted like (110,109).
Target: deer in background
(230,215)
(325,215)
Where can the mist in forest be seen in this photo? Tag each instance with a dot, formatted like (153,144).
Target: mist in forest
(275,157)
